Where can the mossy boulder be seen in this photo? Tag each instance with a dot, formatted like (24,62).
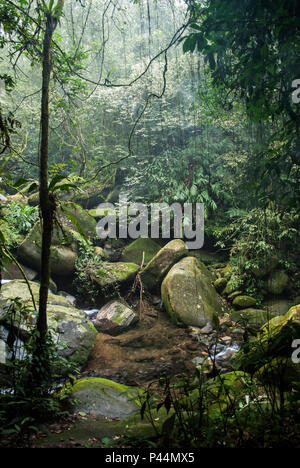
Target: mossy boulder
(227,271)
(232,285)
(234,294)
(63,258)
(188,294)
(277,282)
(242,302)
(69,326)
(220,284)
(155,271)
(75,221)
(112,274)
(115,318)
(274,340)
(134,251)
(105,397)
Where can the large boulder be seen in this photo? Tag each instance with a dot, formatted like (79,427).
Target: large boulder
(63,258)
(134,251)
(114,318)
(155,271)
(75,221)
(69,326)
(273,341)
(188,294)
(105,397)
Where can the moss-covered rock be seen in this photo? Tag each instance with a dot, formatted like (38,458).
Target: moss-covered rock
(227,271)
(220,284)
(74,221)
(188,294)
(62,260)
(98,213)
(277,282)
(234,294)
(134,251)
(69,326)
(77,218)
(274,340)
(105,397)
(114,318)
(155,271)
(242,302)
(100,252)
(111,274)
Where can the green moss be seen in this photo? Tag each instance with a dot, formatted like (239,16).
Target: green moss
(92,327)
(274,340)
(226,272)
(220,284)
(113,273)
(134,251)
(242,302)
(98,382)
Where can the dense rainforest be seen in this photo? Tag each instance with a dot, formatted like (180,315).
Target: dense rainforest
(149,224)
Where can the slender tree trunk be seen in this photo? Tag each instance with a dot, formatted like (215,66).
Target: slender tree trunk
(47,202)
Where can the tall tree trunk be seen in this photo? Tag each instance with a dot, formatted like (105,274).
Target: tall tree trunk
(47,202)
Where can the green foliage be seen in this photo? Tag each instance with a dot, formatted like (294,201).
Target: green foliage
(86,265)
(34,375)
(229,411)
(17,222)
(260,240)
